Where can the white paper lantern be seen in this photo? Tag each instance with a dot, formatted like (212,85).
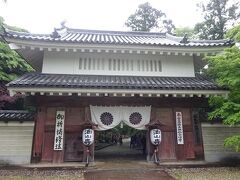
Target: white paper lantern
(88,137)
(155,136)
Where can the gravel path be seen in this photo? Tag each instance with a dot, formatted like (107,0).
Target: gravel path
(138,174)
(22,174)
(219,173)
(212,173)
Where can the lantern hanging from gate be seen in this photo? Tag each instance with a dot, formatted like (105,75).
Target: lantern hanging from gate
(88,137)
(155,136)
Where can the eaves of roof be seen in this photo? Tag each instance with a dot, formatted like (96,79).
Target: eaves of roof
(40,80)
(79,36)
(16,115)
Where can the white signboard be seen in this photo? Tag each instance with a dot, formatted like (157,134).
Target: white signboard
(88,137)
(179,126)
(59,130)
(155,136)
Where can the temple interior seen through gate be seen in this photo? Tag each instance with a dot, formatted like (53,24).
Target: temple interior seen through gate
(120,143)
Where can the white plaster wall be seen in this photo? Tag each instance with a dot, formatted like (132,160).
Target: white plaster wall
(68,63)
(58,62)
(16,142)
(213,141)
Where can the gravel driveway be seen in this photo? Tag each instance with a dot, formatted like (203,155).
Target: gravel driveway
(211,173)
(30,174)
(214,173)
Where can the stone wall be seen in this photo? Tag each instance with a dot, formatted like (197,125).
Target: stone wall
(213,141)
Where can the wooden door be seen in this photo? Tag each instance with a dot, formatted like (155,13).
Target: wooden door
(167,146)
(186,150)
(48,146)
(73,147)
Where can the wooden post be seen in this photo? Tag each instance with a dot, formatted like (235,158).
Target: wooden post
(58,156)
(87,114)
(148,145)
(38,134)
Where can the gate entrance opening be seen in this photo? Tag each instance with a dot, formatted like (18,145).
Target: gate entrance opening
(120,143)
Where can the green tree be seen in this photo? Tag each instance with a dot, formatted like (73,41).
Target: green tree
(234,33)
(225,69)
(14,28)
(147,18)
(12,65)
(181,31)
(218,15)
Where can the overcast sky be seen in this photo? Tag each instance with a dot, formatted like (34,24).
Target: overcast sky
(41,16)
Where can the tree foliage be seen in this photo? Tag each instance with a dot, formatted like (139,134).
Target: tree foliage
(182,31)
(146,18)
(12,65)
(218,15)
(233,142)
(14,28)
(225,69)
(234,33)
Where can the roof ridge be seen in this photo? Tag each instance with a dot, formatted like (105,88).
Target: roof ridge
(210,41)
(116,32)
(174,38)
(93,75)
(110,32)
(9,31)
(15,111)
(87,36)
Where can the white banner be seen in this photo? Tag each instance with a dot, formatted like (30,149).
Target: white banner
(109,117)
(59,130)
(136,117)
(105,117)
(179,127)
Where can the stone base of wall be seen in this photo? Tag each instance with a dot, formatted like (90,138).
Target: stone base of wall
(16,142)
(213,142)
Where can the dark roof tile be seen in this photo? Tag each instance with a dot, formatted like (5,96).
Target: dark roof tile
(83,36)
(16,115)
(199,82)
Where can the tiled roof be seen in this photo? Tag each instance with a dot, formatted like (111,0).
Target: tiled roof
(114,82)
(82,36)
(16,115)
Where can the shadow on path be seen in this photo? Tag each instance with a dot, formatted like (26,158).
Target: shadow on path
(117,152)
(119,162)
(128,175)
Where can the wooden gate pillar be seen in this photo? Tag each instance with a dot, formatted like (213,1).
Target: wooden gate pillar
(38,134)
